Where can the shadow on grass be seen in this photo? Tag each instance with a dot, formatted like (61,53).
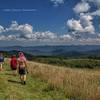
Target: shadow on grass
(13,81)
(9,74)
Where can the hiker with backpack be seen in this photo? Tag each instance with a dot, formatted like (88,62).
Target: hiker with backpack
(22,67)
(1,61)
(13,64)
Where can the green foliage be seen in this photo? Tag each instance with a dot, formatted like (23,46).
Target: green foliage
(69,62)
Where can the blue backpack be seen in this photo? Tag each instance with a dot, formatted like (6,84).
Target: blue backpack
(1,59)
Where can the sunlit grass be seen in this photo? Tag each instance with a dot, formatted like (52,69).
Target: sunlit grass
(77,84)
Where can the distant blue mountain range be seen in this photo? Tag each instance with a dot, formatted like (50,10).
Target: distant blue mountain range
(72,50)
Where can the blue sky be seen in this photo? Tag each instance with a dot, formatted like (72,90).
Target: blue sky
(47,22)
(46,16)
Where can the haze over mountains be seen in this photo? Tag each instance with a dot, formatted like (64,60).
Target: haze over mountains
(72,50)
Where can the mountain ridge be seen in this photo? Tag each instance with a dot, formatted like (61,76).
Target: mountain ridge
(69,50)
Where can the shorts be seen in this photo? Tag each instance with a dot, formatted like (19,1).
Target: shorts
(1,62)
(22,71)
(13,68)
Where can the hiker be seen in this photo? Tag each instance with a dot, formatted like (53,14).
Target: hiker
(1,61)
(22,67)
(13,64)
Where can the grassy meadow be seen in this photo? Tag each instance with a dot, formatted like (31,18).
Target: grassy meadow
(50,82)
(35,89)
(76,84)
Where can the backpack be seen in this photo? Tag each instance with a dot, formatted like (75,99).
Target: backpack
(1,59)
(13,63)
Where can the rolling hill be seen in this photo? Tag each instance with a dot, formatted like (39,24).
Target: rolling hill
(72,50)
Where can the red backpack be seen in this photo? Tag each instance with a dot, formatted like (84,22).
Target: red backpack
(13,63)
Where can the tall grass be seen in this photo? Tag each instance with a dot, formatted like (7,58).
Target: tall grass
(76,84)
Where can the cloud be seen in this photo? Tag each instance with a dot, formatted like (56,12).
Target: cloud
(25,32)
(66,37)
(81,7)
(95,2)
(36,36)
(90,41)
(25,28)
(19,10)
(86,22)
(83,30)
(75,25)
(57,2)
(83,25)
(1,29)
(96,13)
(86,15)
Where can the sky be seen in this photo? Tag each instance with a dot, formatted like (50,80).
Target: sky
(49,22)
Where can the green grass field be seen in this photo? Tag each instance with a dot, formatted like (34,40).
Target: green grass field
(69,62)
(49,82)
(35,89)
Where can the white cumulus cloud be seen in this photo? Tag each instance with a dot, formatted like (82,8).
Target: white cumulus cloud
(74,25)
(86,21)
(25,32)
(83,25)
(26,28)
(81,7)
